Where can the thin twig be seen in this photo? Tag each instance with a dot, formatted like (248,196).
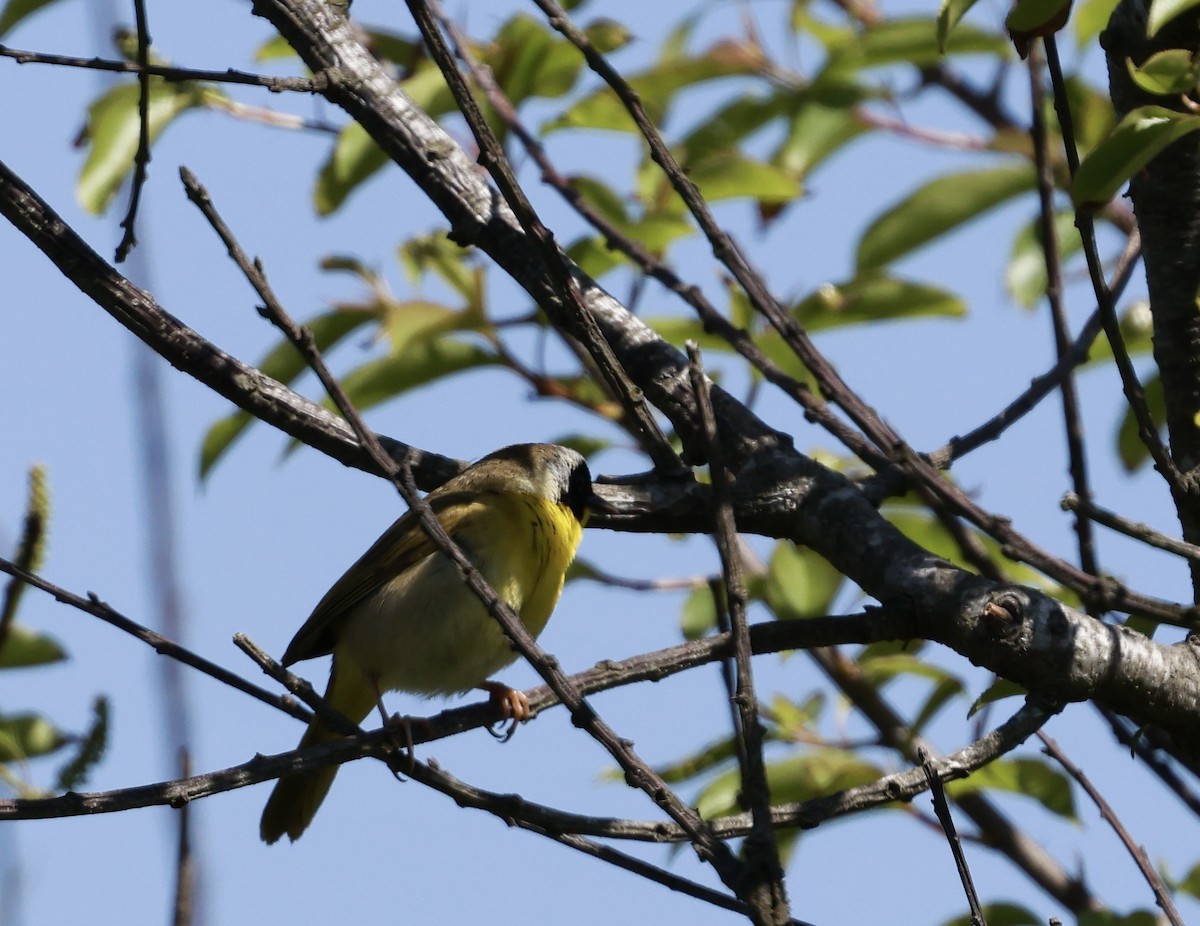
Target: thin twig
(565,828)
(314,84)
(162,645)
(766,893)
(996,828)
(1135,529)
(900,786)
(1140,745)
(141,159)
(1043,385)
(1077,457)
(946,819)
(1162,895)
(1134,394)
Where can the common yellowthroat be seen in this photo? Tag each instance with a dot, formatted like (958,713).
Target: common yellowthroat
(402,619)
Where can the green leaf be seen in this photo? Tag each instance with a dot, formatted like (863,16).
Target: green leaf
(594,257)
(1163,11)
(1029,777)
(603,198)
(1036,17)
(417,319)
(31,549)
(1137,139)
(699,614)
(1025,277)
(799,582)
(678,330)
(421,363)
(608,35)
(274,49)
(437,253)
(25,736)
(1191,882)
(1090,18)
(1167,73)
(1000,914)
(1092,112)
(284,364)
(732,123)
(814,133)
(528,61)
(112,129)
(392,47)
(24,647)
(997,691)
(657,87)
(815,773)
(654,230)
(938,207)
(795,722)
(873,297)
(219,438)
(16,10)
(948,16)
(732,175)
(913,41)
(355,157)
(1130,448)
(699,762)
(1109,918)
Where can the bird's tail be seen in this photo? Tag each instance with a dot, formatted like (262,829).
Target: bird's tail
(297,795)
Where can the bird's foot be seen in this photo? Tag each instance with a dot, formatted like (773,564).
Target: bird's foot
(401,728)
(513,704)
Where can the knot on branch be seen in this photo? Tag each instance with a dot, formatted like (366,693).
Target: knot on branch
(1002,614)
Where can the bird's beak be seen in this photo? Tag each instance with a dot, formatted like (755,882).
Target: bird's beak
(601,506)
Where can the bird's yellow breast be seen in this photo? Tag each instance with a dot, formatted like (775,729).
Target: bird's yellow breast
(428,633)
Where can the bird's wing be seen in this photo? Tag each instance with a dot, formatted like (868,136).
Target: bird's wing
(399,548)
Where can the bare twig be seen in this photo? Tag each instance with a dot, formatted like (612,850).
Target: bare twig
(1162,895)
(163,646)
(766,892)
(1140,743)
(566,828)
(946,819)
(1134,393)
(1054,294)
(900,786)
(1000,833)
(141,158)
(1042,386)
(1131,528)
(174,74)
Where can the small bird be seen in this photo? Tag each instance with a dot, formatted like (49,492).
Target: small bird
(402,619)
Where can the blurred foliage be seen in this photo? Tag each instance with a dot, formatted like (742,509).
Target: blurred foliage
(26,735)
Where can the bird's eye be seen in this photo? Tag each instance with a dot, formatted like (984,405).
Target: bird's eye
(579,490)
